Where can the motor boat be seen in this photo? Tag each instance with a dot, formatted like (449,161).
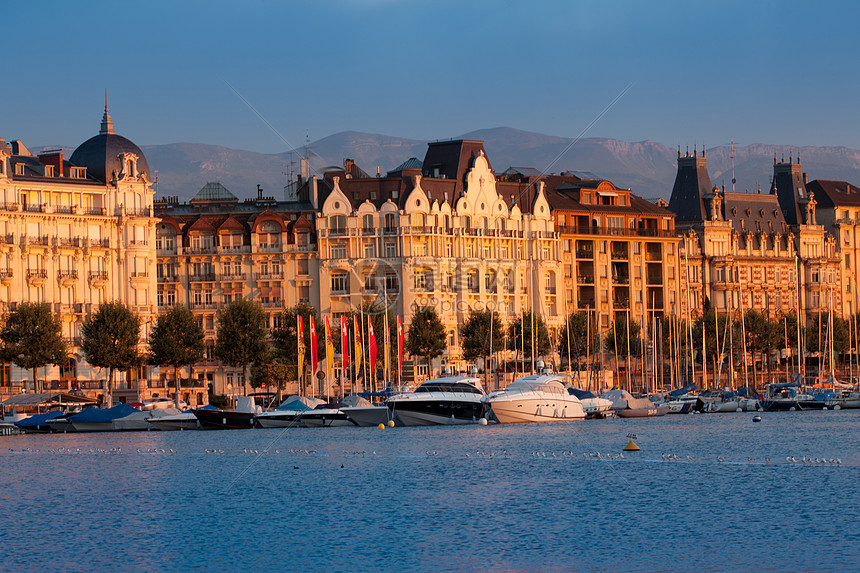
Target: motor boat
(38,423)
(362,412)
(325,416)
(628,406)
(535,398)
(181,421)
(99,419)
(594,406)
(140,421)
(447,400)
(244,416)
(288,414)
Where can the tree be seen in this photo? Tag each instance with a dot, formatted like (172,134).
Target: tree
(109,339)
(427,335)
(176,340)
(475,334)
(32,339)
(763,335)
(520,336)
(616,341)
(582,335)
(241,339)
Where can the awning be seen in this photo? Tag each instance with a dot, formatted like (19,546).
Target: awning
(49,398)
(276,292)
(607,193)
(264,290)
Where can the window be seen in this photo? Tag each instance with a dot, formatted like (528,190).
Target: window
(420,280)
(338,251)
(389,222)
(19,169)
(370,251)
(370,283)
(339,283)
(815,276)
(390,249)
(49,170)
(367,224)
(337,224)
(391,283)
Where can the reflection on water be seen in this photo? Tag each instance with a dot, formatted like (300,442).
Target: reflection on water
(707,492)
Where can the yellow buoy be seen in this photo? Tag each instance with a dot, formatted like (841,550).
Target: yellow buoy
(390,423)
(631,447)
(381,426)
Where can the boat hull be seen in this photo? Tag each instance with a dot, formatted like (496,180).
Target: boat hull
(436,412)
(220,420)
(276,419)
(93,426)
(367,416)
(529,410)
(325,419)
(644,412)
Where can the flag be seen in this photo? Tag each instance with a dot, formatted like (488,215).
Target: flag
(313,322)
(371,347)
(356,327)
(386,346)
(344,345)
(329,348)
(399,348)
(300,335)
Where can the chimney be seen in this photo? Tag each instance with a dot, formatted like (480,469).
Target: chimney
(53,158)
(805,178)
(259,192)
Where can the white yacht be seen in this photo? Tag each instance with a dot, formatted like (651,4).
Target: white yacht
(448,400)
(535,398)
(288,414)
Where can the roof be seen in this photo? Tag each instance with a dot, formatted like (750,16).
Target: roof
(753,212)
(411,163)
(692,183)
(101,154)
(214,191)
(48,398)
(452,160)
(834,193)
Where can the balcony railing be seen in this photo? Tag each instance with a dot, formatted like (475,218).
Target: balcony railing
(7,239)
(67,275)
(8,206)
(233,277)
(98,275)
(37,274)
(203,277)
(614,231)
(138,212)
(68,241)
(97,211)
(585,279)
(266,276)
(103,243)
(43,240)
(139,274)
(199,250)
(6,273)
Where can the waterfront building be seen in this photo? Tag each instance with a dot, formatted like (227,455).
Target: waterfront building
(75,233)
(215,249)
(839,212)
(444,232)
(762,251)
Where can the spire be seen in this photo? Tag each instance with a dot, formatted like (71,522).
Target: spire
(107,123)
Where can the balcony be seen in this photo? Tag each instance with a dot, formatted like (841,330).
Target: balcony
(269,248)
(203,277)
(585,279)
(268,276)
(389,231)
(68,242)
(300,248)
(6,275)
(233,277)
(584,253)
(621,280)
(43,240)
(100,243)
(199,251)
(96,211)
(549,290)
(67,278)
(98,278)
(368,231)
(229,249)
(37,276)
(138,212)
(337,232)
(35,208)
(8,206)
(7,239)
(615,231)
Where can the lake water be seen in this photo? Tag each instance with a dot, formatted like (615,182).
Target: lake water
(469,498)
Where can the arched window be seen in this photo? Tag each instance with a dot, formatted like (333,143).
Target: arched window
(367,222)
(337,224)
(389,222)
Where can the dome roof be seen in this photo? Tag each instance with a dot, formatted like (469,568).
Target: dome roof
(100,154)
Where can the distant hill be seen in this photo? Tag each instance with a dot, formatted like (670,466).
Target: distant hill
(647,167)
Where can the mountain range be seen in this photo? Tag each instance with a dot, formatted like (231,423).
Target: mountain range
(647,167)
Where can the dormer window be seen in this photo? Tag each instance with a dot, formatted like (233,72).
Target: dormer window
(49,170)
(19,169)
(78,172)
(129,164)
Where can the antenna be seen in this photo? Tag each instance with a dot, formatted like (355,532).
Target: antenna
(733,165)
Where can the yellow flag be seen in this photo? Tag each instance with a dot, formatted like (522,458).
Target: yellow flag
(357,329)
(329,347)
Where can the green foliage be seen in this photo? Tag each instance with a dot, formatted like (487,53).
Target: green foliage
(241,338)
(582,336)
(272,372)
(176,339)
(32,338)
(520,336)
(475,334)
(711,323)
(109,339)
(426,335)
(816,343)
(616,340)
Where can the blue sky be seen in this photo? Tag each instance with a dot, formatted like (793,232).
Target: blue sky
(760,72)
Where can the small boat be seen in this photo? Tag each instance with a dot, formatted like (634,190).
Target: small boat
(61,424)
(141,421)
(99,419)
(325,416)
(38,423)
(287,415)
(240,418)
(627,406)
(683,400)
(181,421)
(594,406)
(535,398)
(447,400)
(362,412)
